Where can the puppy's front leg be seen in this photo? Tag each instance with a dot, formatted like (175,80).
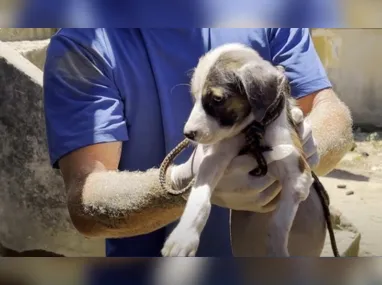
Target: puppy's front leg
(184,240)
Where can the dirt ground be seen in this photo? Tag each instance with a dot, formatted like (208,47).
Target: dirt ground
(355,188)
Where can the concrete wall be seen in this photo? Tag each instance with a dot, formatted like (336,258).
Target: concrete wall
(33,210)
(29,42)
(26,34)
(352,58)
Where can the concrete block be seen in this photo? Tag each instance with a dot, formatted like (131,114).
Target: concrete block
(347,236)
(26,34)
(34,51)
(33,213)
(348,244)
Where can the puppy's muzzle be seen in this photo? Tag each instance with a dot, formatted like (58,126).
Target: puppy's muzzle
(191,135)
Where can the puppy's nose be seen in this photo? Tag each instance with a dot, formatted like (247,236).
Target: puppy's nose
(191,135)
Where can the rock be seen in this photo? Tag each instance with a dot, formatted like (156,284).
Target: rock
(348,244)
(365,154)
(33,211)
(341,186)
(348,193)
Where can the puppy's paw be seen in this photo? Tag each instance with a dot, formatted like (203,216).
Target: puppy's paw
(181,243)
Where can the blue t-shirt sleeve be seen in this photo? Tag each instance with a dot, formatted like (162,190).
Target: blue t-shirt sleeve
(294,50)
(82,104)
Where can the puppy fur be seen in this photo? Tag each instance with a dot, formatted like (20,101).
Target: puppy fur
(233,86)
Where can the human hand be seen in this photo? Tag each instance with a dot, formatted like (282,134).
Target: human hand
(237,189)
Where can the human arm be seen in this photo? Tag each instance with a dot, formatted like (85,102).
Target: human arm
(85,129)
(105,202)
(331,124)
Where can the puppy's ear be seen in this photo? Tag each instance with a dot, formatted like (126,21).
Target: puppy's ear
(262,83)
(283,82)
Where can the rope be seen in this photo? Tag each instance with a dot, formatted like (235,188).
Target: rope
(325,202)
(165,165)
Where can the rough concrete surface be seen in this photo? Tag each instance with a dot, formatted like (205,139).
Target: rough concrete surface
(26,34)
(355,188)
(34,51)
(33,210)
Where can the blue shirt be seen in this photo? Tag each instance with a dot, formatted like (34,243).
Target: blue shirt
(130,85)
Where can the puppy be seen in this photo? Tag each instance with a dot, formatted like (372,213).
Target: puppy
(232,87)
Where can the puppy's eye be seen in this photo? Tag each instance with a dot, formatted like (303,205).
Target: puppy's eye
(218,99)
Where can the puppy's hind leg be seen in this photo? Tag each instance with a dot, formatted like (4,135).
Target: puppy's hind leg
(295,181)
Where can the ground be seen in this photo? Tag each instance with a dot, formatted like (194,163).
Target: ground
(355,188)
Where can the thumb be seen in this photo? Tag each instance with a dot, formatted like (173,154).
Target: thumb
(246,163)
(278,152)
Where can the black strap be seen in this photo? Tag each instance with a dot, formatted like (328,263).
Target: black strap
(254,135)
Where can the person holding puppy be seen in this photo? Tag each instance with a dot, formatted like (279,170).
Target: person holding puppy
(115,104)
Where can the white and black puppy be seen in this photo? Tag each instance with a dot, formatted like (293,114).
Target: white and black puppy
(232,87)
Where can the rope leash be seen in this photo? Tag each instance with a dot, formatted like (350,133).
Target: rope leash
(325,202)
(166,164)
(254,134)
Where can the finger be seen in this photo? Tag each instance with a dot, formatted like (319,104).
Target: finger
(310,146)
(243,163)
(271,206)
(244,184)
(259,184)
(269,194)
(278,152)
(305,131)
(313,160)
